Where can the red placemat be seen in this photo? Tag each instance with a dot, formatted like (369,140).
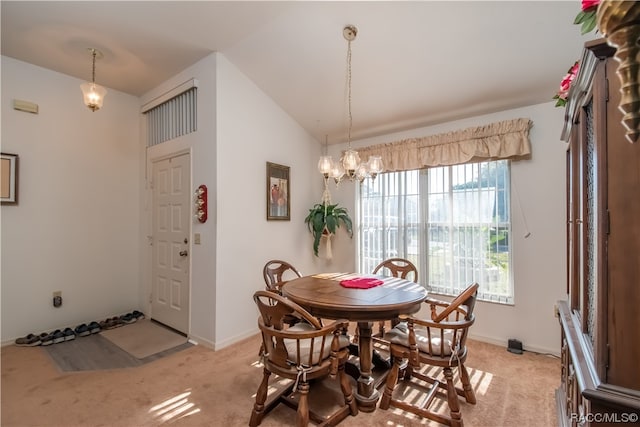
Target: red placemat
(361,282)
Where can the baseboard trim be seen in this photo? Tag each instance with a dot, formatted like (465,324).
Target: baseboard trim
(197,340)
(503,343)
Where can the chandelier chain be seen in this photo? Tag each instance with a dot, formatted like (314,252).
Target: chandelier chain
(93,71)
(349,93)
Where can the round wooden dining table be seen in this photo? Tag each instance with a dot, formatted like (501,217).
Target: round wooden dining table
(324,297)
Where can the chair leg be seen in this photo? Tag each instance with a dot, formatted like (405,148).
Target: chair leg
(392,379)
(261,397)
(469,394)
(345,385)
(302,420)
(452,398)
(381,329)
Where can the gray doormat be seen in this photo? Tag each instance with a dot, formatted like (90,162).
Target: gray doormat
(95,352)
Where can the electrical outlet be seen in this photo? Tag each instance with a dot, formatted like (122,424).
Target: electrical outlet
(57,299)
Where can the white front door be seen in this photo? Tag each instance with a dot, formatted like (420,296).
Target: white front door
(171,220)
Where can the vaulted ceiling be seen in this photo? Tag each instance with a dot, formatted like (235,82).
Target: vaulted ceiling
(414,63)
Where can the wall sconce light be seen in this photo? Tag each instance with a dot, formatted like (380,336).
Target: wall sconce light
(93,93)
(201,203)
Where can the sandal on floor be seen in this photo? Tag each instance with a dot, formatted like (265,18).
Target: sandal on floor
(58,336)
(29,341)
(46,338)
(138,314)
(69,334)
(82,330)
(94,327)
(128,318)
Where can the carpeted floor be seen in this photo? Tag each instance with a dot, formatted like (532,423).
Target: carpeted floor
(200,387)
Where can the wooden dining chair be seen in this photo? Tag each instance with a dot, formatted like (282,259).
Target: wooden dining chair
(302,353)
(396,267)
(277,272)
(439,341)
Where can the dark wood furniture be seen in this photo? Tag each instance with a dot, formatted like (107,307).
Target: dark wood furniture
(323,296)
(438,341)
(277,272)
(396,267)
(303,352)
(600,320)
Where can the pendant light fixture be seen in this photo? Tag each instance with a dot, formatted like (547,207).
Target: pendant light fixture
(93,93)
(350,164)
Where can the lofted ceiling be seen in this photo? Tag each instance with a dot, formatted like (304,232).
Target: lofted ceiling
(414,63)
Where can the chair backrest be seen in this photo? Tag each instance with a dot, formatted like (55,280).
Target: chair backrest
(306,343)
(399,267)
(466,298)
(275,272)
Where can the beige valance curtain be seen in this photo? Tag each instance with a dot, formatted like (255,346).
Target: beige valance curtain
(501,140)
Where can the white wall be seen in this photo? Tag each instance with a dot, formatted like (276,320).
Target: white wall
(539,261)
(253,130)
(239,130)
(75,228)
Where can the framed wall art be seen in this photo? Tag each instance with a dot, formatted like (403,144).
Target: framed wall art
(8,178)
(278,194)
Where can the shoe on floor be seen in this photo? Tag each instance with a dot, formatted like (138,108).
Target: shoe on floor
(58,336)
(82,330)
(29,341)
(113,322)
(116,322)
(128,318)
(94,327)
(138,314)
(46,338)
(69,334)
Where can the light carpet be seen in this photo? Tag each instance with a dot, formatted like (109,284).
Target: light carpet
(144,338)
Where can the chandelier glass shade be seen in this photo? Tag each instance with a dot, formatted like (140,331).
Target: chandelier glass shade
(93,93)
(349,165)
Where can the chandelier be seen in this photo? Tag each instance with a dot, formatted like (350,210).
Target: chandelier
(349,165)
(93,93)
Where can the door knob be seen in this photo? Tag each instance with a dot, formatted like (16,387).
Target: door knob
(183,253)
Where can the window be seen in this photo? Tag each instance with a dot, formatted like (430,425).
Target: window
(173,118)
(453,222)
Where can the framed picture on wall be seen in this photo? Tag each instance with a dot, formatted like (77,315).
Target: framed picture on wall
(278,194)
(8,178)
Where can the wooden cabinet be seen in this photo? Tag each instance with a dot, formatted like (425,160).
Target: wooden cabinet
(600,320)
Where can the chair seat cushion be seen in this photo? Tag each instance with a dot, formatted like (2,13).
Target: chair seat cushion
(305,345)
(400,335)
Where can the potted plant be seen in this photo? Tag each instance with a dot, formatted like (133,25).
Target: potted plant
(323,220)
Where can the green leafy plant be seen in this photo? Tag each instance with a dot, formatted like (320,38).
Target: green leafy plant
(326,219)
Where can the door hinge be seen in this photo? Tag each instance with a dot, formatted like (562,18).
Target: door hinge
(606,364)
(606,89)
(607,225)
